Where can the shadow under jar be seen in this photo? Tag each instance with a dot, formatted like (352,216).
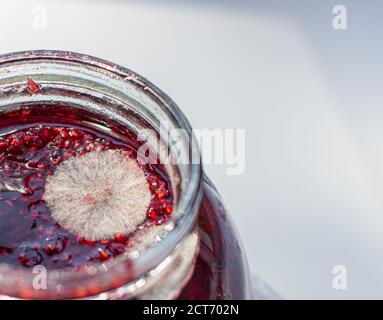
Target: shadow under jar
(56,95)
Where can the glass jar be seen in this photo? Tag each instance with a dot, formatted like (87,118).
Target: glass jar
(200,257)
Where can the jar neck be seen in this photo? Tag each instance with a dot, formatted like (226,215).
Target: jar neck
(109,95)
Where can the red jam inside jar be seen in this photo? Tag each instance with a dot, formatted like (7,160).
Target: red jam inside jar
(29,235)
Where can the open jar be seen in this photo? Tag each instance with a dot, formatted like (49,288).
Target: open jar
(197,254)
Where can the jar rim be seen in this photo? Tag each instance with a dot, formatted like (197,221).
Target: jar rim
(189,199)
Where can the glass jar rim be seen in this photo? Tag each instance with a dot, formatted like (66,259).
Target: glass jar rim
(189,199)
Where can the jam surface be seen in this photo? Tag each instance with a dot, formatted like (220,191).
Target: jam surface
(28,234)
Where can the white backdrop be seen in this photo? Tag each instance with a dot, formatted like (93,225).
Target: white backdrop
(308,96)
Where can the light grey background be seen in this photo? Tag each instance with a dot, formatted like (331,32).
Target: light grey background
(308,96)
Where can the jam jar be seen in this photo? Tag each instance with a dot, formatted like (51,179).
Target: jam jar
(71,125)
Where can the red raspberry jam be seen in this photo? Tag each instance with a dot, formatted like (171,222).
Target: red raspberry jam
(28,155)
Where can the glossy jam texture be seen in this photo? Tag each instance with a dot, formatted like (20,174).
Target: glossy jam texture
(28,234)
